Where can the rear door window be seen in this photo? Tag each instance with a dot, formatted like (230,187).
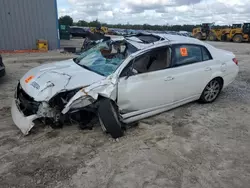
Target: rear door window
(187,54)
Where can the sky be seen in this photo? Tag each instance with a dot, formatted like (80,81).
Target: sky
(160,12)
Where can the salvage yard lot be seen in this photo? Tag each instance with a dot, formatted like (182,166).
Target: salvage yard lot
(192,146)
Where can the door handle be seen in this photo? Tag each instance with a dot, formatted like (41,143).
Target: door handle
(169,78)
(208,69)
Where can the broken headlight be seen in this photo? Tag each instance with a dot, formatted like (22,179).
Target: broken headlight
(61,99)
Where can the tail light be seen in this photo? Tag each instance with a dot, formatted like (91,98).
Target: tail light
(235,61)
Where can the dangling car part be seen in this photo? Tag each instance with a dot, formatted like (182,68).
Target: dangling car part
(123,80)
(93,39)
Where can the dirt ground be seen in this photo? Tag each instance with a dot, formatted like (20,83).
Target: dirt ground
(192,146)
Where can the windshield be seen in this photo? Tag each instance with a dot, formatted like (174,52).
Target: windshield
(105,57)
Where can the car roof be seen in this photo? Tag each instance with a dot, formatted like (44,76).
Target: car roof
(162,39)
(180,39)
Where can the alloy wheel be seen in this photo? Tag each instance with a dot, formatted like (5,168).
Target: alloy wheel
(212,90)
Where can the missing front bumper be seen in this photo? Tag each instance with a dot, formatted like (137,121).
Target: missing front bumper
(24,123)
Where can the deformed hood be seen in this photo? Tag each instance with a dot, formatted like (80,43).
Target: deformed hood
(45,81)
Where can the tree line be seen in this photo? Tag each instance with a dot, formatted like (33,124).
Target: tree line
(67,20)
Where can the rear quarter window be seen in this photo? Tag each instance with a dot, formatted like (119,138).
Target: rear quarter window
(206,54)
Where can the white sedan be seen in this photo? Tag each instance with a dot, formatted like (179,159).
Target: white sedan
(122,81)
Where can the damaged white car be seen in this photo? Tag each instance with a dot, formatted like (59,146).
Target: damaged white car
(123,81)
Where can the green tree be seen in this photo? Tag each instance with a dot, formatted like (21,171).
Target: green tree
(66,20)
(82,23)
(95,23)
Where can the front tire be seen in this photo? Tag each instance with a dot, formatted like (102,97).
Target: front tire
(109,118)
(238,38)
(211,91)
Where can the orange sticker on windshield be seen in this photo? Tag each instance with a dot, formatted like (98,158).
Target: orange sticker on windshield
(184,52)
(29,79)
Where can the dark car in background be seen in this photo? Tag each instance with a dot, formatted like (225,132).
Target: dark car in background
(78,32)
(2,67)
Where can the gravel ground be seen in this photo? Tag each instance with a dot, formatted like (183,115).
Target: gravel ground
(192,146)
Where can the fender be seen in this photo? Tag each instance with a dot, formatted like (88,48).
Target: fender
(88,95)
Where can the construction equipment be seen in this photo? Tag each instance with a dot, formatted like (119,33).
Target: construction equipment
(234,26)
(214,34)
(103,30)
(224,34)
(206,32)
(239,34)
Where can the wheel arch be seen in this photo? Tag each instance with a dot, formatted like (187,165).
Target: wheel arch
(238,34)
(215,76)
(221,80)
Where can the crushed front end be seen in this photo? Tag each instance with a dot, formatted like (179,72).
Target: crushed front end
(69,106)
(24,110)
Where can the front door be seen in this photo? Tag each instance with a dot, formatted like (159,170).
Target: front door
(150,87)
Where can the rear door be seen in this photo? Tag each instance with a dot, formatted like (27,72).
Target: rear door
(191,70)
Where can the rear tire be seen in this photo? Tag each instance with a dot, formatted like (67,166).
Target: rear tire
(211,91)
(238,38)
(109,118)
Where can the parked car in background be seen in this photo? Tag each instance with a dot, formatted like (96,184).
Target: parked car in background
(112,32)
(121,32)
(186,33)
(123,81)
(78,32)
(2,67)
